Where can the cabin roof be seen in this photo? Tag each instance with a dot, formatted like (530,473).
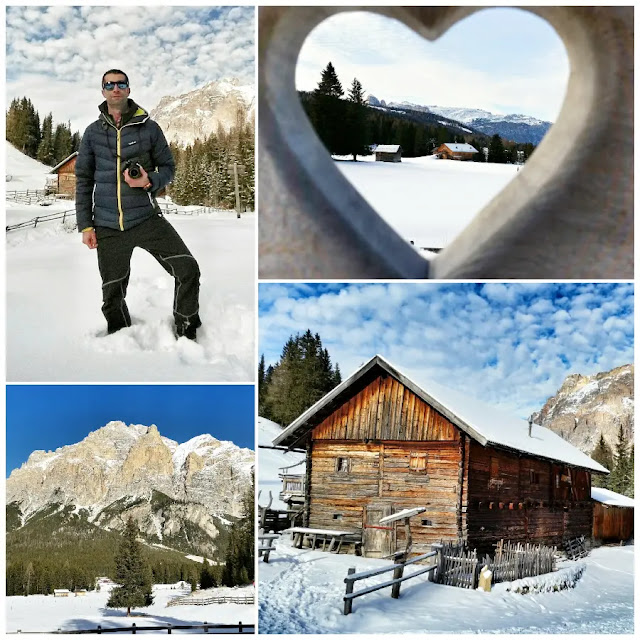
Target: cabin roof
(387,148)
(456,146)
(485,424)
(611,497)
(73,155)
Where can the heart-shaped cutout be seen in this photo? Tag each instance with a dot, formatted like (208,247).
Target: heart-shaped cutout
(397,76)
(315,225)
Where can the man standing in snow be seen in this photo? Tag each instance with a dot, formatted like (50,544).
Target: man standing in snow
(123,161)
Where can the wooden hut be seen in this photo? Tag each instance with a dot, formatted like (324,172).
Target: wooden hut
(388,153)
(379,443)
(66,173)
(455,151)
(612,516)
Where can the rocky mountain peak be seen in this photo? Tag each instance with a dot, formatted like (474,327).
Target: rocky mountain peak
(586,406)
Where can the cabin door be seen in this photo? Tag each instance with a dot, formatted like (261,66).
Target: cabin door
(377,539)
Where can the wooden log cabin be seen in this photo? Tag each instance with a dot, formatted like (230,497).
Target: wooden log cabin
(66,173)
(455,151)
(388,153)
(379,443)
(612,516)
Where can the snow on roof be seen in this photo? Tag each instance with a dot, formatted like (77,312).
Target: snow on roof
(466,148)
(485,424)
(73,155)
(611,497)
(387,148)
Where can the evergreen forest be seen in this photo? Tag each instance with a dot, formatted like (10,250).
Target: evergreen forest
(619,461)
(302,376)
(347,125)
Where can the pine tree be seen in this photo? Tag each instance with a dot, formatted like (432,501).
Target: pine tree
(329,84)
(621,477)
(45,149)
(496,150)
(604,456)
(207,579)
(132,574)
(356,132)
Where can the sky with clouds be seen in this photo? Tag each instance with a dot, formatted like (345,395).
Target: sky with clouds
(501,60)
(510,345)
(56,55)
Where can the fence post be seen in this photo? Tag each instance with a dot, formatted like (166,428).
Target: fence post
(133,628)
(240,626)
(169,628)
(206,628)
(397,573)
(348,603)
(99,628)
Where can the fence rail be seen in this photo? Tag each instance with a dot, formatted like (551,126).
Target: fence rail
(207,628)
(26,197)
(249,599)
(398,578)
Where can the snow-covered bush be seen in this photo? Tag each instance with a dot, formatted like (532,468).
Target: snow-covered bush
(566,578)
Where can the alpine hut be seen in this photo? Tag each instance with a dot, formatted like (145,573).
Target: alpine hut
(379,443)
(388,153)
(66,175)
(612,516)
(455,151)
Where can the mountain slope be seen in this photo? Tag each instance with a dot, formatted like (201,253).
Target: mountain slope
(199,113)
(186,494)
(586,406)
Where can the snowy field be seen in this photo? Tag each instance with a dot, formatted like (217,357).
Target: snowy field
(301,591)
(427,200)
(46,613)
(56,331)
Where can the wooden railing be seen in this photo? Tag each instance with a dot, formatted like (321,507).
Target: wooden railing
(292,484)
(246,599)
(398,578)
(206,628)
(26,197)
(34,222)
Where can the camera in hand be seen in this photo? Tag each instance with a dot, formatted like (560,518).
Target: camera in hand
(134,167)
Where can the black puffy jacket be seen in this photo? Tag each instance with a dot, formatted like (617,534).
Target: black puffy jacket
(103,198)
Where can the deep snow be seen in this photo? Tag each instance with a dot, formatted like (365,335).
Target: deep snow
(301,592)
(45,613)
(56,331)
(427,201)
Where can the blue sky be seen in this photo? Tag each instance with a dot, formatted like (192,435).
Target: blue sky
(510,345)
(501,60)
(47,417)
(56,55)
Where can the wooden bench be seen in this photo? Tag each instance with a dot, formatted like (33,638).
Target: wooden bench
(264,550)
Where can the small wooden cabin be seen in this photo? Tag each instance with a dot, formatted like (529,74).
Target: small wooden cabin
(455,151)
(612,516)
(66,172)
(388,153)
(379,443)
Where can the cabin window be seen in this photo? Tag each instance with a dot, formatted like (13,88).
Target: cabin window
(534,477)
(337,516)
(418,461)
(343,465)
(426,523)
(494,470)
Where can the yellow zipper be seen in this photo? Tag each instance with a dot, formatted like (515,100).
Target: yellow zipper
(121,219)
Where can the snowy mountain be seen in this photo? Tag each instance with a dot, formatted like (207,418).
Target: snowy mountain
(183,495)
(517,127)
(200,112)
(586,406)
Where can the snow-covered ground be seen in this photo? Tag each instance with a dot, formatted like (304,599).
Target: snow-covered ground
(427,201)
(270,463)
(301,591)
(56,331)
(46,613)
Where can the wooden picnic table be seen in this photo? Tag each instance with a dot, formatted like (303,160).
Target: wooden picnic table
(335,537)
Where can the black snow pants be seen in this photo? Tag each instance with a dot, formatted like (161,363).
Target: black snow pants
(162,241)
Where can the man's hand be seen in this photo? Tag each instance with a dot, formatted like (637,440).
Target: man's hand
(89,238)
(142,181)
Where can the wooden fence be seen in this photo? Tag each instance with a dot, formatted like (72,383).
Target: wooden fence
(460,567)
(30,196)
(398,578)
(246,599)
(34,222)
(206,628)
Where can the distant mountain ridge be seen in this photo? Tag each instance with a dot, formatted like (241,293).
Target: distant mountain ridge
(187,494)
(516,127)
(198,113)
(586,406)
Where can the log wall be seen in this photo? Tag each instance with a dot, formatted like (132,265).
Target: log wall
(611,523)
(524,499)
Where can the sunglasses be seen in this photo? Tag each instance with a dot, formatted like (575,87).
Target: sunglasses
(110,86)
